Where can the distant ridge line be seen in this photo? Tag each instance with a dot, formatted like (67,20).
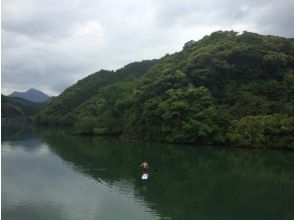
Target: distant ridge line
(32,95)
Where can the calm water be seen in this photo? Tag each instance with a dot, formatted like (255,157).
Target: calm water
(49,176)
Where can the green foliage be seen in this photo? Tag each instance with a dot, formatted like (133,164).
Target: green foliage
(263,131)
(59,112)
(208,93)
(85,125)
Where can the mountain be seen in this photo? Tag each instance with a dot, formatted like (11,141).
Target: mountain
(16,108)
(225,89)
(32,95)
(60,110)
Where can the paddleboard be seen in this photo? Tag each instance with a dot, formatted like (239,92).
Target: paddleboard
(144,176)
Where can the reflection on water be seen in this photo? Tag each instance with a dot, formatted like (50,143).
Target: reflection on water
(52,176)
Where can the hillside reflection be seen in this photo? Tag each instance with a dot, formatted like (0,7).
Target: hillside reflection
(187,182)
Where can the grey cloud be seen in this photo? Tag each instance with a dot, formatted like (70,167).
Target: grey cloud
(51,44)
(276,18)
(46,20)
(59,86)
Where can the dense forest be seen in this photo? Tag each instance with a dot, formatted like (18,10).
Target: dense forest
(225,89)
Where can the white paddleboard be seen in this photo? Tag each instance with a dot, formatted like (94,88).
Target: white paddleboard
(144,176)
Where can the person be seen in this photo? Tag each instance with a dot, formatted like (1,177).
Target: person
(145,166)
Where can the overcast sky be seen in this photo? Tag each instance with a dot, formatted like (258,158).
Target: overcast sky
(50,44)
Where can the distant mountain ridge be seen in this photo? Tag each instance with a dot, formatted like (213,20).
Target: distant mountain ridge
(32,95)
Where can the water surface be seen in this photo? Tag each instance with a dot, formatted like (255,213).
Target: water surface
(53,176)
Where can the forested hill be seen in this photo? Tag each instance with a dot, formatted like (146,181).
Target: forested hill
(227,88)
(18,108)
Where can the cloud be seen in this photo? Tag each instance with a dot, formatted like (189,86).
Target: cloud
(49,44)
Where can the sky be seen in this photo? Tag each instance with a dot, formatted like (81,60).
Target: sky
(50,44)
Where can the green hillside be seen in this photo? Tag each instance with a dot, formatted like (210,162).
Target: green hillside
(13,108)
(227,88)
(62,110)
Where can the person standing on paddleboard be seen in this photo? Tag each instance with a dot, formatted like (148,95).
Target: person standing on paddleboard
(145,166)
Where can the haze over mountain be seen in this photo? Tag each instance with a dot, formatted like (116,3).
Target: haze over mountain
(32,95)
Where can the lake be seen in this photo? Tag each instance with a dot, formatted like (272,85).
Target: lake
(46,175)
